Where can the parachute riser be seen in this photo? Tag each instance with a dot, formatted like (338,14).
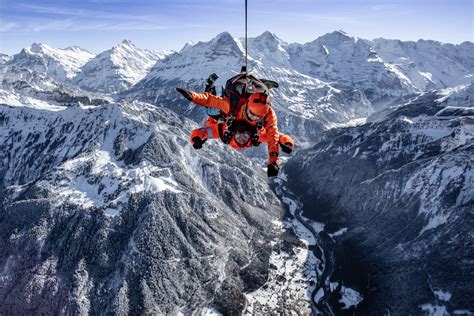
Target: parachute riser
(245,67)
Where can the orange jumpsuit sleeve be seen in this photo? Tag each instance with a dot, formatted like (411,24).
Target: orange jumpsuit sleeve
(211,101)
(272,134)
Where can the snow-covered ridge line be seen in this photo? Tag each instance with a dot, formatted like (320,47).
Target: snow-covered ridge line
(336,56)
(60,64)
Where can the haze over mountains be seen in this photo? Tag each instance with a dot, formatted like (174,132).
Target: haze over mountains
(106,208)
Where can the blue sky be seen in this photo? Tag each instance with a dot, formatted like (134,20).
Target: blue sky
(98,25)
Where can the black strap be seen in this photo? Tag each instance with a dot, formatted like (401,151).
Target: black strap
(224,134)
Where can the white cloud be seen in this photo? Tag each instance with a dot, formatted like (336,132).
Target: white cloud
(84,13)
(8,26)
(77,25)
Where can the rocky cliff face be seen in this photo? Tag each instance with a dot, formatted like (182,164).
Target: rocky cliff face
(402,189)
(108,210)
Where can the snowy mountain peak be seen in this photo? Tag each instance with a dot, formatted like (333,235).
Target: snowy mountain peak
(267,35)
(117,69)
(60,64)
(222,36)
(335,38)
(39,48)
(269,38)
(77,49)
(126,45)
(223,55)
(127,42)
(424,62)
(187,45)
(224,40)
(268,49)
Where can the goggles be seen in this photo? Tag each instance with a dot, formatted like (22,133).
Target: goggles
(241,138)
(262,99)
(251,116)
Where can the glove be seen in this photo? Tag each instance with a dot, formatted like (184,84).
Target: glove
(286,148)
(185,93)
(197,142)
(213,77)
(272,170)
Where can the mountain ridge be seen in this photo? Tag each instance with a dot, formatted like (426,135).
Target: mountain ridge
(105,207)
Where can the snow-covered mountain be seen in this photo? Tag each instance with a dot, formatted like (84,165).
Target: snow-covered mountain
(402,190)
(189,67)
(59,64)
(308,105)
(330,81)
(108,209)
(338,57)
(25,85)
(117,69)
(428,64)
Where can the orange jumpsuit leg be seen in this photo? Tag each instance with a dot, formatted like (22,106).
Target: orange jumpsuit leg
(210,129)
(285,141)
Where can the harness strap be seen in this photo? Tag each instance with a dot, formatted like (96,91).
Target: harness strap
(224,134)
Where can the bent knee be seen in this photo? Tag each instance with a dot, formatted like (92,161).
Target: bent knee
(287,143)
(200,133)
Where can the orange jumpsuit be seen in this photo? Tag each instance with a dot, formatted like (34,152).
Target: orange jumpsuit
(269,133)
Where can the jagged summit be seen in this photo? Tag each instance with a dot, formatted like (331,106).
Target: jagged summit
(269,38)
(267,35)
(224,42)
(38,47)
(335,38)
(187,45)
(77,49)
(223,55)
(123,45)
(127,42)
(117,69)
(423,62)
(268,49)
(223,36)
(60,64)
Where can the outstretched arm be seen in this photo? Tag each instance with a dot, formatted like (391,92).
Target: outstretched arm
(206,99)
